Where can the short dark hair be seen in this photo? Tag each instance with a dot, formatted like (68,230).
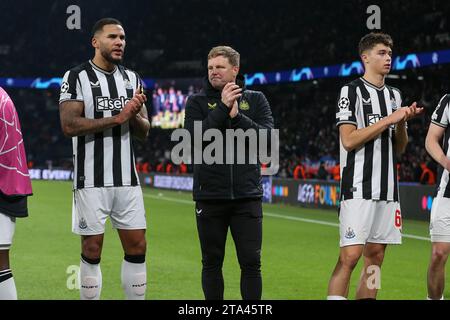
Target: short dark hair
(372,39)
(98,26)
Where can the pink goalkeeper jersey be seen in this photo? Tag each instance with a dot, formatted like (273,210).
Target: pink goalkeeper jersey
(14,176)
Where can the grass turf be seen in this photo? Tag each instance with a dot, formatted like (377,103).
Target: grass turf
(298,256)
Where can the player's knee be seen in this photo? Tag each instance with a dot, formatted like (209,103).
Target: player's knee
(250,261)
(91,250)
(212,262)
(4,259)
(212,256)
(438,256)
(376,257)
(138,247)
(142,246)
(349,260)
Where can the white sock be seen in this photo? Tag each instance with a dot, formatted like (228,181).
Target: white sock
(7,286)
(134,279)
(90,281)
(336,298)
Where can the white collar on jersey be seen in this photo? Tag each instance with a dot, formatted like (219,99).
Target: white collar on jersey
(102,70)
(372,85)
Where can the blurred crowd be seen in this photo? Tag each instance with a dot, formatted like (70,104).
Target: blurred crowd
(304,113)
(172,38)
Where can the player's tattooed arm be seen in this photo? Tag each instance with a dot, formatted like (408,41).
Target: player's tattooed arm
(74,124)
(140,124)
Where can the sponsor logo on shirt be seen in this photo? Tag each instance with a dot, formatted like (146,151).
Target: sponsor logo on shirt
(109,104)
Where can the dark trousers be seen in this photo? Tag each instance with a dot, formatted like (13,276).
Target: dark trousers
(244,218)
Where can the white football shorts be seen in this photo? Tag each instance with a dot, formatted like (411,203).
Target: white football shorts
(374,221)
(7,227)
(92,206)
(440,220)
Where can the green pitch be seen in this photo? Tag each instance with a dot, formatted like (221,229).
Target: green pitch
(300,248)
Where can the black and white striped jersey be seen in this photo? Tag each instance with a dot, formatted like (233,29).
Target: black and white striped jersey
(441,117)
(103,159)
(369,172)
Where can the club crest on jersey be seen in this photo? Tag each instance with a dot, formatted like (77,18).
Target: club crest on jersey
(244,105)
(350,234)
(82,223)
(128,85)
(393,104)
(109,104)
(212,106)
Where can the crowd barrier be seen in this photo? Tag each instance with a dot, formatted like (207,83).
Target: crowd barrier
(415,201)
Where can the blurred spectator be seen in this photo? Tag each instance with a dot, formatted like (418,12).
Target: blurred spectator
(427,176)
(299,172)
(322,173)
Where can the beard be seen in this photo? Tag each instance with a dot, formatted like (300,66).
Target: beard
(108,57)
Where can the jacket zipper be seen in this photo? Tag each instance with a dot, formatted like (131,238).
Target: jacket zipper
(231,169)
(231,165)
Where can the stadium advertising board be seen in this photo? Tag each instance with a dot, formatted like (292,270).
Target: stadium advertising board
(320,194)
(305,193)
(47,174)
(173,182)
(418,203)
(185,183)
